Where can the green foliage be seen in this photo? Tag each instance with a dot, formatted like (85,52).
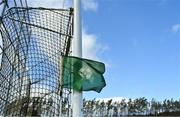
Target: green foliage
(138,106)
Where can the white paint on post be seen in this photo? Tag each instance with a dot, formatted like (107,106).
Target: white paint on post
(77,51)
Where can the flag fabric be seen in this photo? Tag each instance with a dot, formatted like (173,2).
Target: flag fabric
(83,74)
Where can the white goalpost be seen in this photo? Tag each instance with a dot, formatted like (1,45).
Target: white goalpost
(77,51)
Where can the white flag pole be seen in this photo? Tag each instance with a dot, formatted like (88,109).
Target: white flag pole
(77,51)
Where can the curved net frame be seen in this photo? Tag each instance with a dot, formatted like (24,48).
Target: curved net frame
(34,40)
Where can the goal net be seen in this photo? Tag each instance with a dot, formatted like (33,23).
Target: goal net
(33,42)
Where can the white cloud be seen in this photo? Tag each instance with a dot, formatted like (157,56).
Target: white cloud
(87,5)
(50,3)
(91,5)
(175,28)
(91,47)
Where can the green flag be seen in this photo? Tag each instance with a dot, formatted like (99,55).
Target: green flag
(83,74)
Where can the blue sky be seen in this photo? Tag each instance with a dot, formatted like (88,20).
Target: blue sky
(137,40)
(142,38)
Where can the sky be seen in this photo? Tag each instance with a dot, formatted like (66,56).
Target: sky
(142,53)
(137,40)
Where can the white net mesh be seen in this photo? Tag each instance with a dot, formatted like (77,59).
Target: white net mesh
(30,77)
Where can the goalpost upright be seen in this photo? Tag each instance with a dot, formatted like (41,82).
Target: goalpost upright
(77,51)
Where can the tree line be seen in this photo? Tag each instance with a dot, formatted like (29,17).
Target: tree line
(132,107)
